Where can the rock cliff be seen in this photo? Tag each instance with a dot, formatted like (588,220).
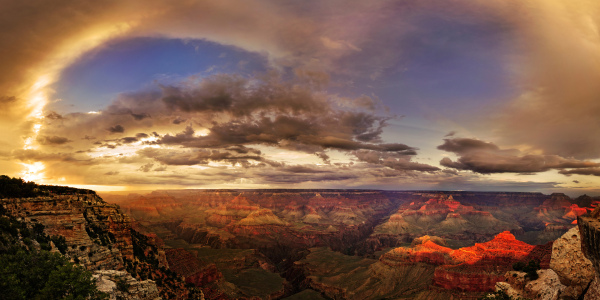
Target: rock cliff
(589,227)
(88,224)
(471,269)
(572,267)
(99,237)
(568,277)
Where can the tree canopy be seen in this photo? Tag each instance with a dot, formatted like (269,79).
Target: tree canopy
(44,275)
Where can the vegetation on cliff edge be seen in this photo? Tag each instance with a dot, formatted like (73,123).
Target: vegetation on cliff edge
(18,188)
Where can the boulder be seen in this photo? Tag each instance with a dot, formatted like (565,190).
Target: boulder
(121,285)
(568,261)
(546,287)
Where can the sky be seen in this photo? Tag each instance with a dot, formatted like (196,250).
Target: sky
(485,95)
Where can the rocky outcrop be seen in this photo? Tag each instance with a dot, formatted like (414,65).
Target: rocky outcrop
(589,227)
(121,285)
(471,269)
(572,267)
(568,264)
(546,287)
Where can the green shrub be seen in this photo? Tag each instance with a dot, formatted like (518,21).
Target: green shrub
(122,285)
(518,266)
(44,275)
(530,268)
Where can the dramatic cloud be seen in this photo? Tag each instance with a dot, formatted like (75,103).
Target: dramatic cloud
(337,74)
(116,129)
(52,140)
(397,161)
(583,171)
(486,158)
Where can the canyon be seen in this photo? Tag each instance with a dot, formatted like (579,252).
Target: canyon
(292,242)
(320,244)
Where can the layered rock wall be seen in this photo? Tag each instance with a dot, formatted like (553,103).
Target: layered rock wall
(88,224)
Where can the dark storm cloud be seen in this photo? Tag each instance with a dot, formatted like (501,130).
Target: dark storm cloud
(302,174)
(196,157)
(463,145)
(128,140)
(278,131)
(396,161)
(451,133)
(239,96)
(243,149)
(54,116)
(116,129)
(139,117)
(178,120)
(486,158)
(241,111)
(52,140)
(146,168)
(303,169)
(324,157)
(583,171)
(234,113)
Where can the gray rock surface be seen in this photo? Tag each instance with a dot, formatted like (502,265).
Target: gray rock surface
(546,287)
(121,285)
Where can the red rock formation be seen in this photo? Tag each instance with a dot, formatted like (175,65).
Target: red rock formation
(559,210)
(471,269)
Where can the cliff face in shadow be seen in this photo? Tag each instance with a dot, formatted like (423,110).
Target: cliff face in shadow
(589,228)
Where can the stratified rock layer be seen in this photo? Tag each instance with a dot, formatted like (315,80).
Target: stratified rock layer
(99,237)
(87,223)
(472,269)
